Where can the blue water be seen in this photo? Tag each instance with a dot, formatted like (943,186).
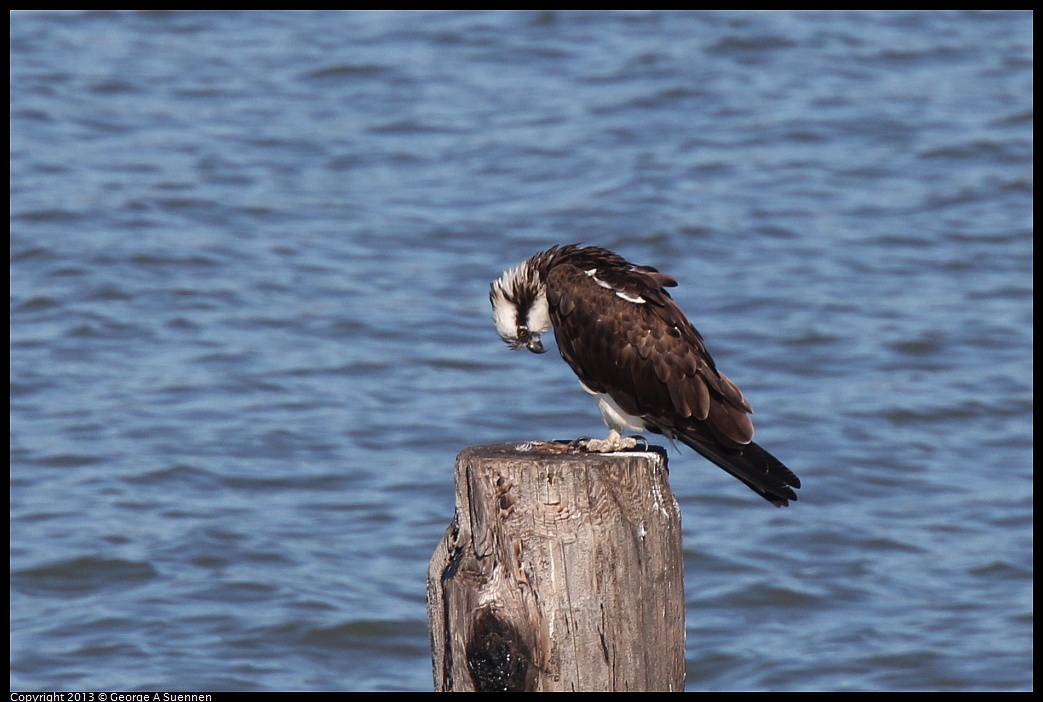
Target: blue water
(250,254)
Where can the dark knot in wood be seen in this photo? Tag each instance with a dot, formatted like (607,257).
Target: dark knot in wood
(497,657)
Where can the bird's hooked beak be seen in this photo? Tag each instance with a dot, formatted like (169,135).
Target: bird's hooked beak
(534,344)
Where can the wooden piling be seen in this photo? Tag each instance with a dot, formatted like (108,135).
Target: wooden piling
(562,570)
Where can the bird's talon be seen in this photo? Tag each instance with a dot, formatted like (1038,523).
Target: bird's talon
(614,443)
(580,443)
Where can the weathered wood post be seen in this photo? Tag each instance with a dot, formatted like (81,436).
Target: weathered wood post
(561,571)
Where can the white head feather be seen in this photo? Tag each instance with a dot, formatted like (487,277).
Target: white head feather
(520,310)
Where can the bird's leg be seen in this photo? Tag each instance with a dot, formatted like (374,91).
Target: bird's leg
(611,444)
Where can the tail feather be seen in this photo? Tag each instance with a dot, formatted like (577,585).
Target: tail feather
(758,469)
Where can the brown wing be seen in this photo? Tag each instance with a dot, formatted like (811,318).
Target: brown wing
(647,356)
(654,364)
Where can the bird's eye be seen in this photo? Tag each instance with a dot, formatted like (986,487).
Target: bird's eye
(523,332)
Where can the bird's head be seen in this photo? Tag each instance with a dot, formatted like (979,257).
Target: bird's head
(520,311)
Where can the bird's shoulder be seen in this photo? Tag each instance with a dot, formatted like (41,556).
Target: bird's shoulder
(607,269)
(622,299)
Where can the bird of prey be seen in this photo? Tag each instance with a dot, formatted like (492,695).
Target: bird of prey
(631,346)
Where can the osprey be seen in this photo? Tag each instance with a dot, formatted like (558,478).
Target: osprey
(632,346)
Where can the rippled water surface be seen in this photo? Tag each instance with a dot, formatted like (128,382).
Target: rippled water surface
(250,254)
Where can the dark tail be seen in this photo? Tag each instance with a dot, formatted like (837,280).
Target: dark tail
(762,472)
